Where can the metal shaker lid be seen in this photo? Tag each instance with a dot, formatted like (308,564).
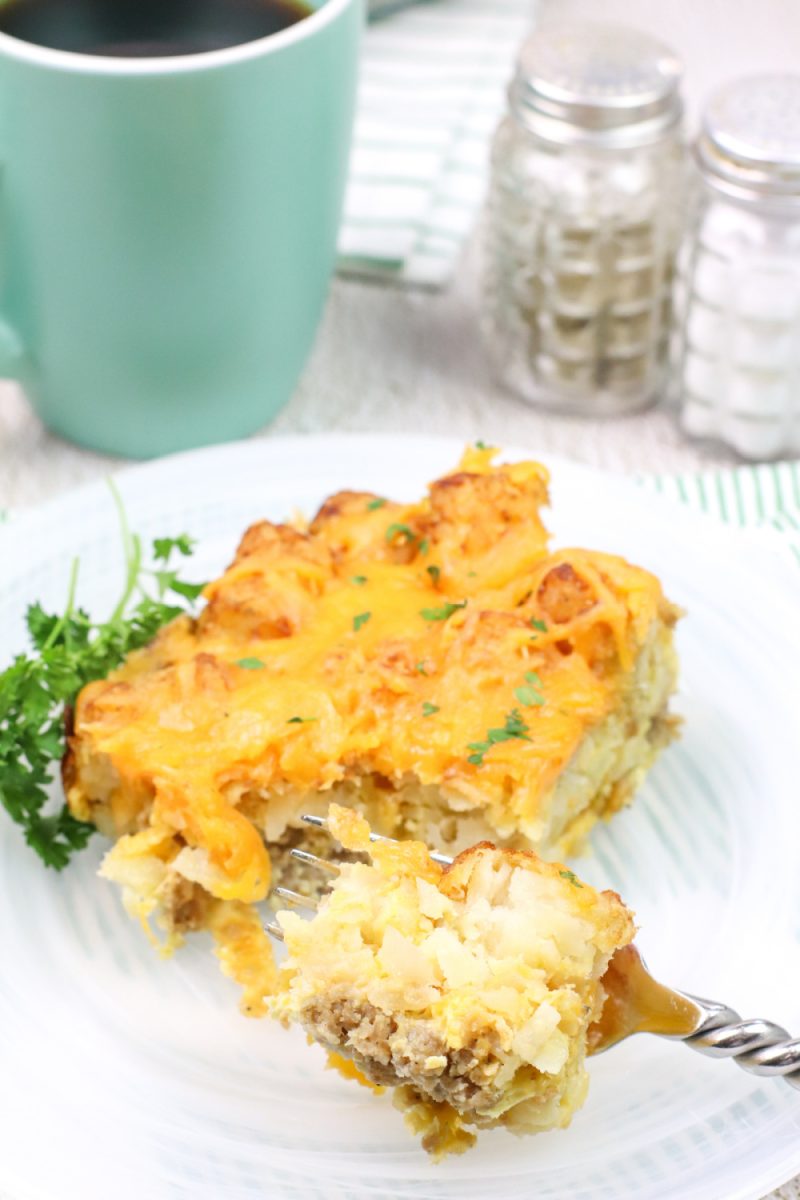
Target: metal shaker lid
(750,139)
(601,83)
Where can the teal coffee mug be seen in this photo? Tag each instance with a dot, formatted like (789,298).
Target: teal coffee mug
(168,228)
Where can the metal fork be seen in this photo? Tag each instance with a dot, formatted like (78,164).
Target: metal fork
(637,1003)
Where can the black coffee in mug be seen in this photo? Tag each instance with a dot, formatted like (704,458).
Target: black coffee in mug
(147,28)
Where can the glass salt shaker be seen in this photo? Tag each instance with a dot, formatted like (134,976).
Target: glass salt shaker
(740,272)
(585,212)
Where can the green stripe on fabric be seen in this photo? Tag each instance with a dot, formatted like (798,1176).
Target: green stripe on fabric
(740,508)
(721,501)
(775,471)
(759,495)
(795,476)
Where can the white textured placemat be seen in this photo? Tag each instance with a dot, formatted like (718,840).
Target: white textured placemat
(432,88)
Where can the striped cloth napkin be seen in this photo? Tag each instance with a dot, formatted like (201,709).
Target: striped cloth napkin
(765,497)
(432,88)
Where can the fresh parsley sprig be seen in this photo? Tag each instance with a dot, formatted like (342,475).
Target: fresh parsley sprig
(70,650)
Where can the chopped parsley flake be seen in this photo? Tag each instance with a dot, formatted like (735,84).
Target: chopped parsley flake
(572,877)
(514,727)
(300,720)
(378,502)
(529,695)
(441,614)
(360,619)
(251,664)
(403,533)
(424,546)
(429,709)
(359,580)
(482,445)
(537,624)
(420,667)
(434,573)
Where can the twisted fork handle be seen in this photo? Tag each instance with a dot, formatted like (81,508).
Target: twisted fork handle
(757,1046)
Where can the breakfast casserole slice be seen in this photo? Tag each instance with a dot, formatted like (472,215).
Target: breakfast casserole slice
(469,988)
(434,665)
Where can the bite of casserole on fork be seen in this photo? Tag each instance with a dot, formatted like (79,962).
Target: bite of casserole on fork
(468,988)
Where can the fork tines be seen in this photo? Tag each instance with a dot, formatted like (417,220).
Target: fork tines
(297,900)
(313,860)
(322,823)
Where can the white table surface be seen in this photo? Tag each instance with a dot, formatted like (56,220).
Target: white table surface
(391,361)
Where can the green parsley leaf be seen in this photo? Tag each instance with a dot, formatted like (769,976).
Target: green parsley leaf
(482,445)
(429,709)
(360,619)
(434,573)
(529,695)
(537,624)
(480,749)
(441,614)
(38,690)
(424,546)
(164,547)
(420,667)
(251,664)
(190,591)
(40,625)
(378,502)
(402,533)
(168,581)
(515,727)
(359,580)
(301,720)
(572,877)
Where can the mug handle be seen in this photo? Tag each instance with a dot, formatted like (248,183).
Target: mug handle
(12,351)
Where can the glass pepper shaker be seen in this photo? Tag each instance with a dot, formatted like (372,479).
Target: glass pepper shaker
(740,272)
(585,212)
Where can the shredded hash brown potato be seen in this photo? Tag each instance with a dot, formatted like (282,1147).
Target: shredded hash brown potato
(469,989)
(434,665)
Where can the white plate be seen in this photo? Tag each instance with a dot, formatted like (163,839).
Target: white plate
(124,1076)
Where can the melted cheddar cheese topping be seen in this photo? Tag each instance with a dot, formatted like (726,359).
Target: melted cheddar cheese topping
(382,640)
